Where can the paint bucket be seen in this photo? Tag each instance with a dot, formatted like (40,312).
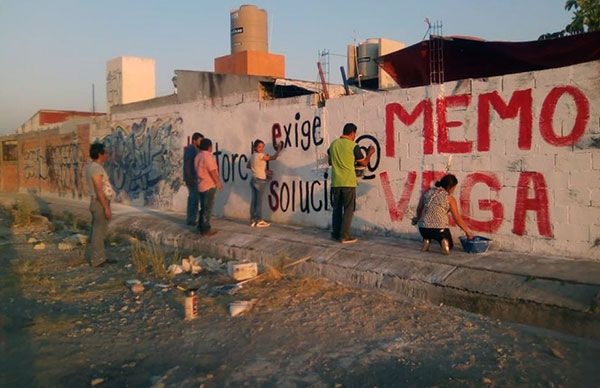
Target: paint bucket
(191,305)
(478,244)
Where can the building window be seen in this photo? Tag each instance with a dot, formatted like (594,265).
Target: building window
(9,151)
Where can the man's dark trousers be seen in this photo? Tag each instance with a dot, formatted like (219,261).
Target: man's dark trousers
(192,204)
(207,201)
(344,204)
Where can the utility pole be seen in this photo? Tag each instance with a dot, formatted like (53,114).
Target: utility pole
(93,98)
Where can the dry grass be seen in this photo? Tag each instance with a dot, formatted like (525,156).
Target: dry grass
(25,268)
(271,274)
(22,213)
(139,257)
(72,222)
(149,256)
(69,219)
(177,255)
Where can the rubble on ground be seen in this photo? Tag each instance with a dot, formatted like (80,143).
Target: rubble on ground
(240,307)
(73,241)
(174,270)
(76,239)
(242,271)
(39,246)
(65,246)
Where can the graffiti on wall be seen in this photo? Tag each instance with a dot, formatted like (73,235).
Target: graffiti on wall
(65,169)
(113,87)
(61,167)
(34,164)
(231,166)
(145,160)
(304,195)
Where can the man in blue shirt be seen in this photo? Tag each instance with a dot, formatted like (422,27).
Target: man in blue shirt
(190,178)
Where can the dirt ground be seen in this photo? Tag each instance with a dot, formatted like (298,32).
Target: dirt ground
(63,323)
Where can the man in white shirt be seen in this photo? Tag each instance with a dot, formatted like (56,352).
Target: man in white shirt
(101,194)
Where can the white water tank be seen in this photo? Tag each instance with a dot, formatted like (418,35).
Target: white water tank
(249,29)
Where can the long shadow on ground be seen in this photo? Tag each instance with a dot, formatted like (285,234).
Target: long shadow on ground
(16,315)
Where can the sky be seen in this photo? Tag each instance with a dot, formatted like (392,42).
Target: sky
(51,52)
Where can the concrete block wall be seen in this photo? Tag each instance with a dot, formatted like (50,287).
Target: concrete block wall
(525,148)
(9,176)
(53,161)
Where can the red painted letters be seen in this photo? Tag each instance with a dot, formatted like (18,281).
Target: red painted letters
(276,133)
(430,177)
(397,209)
(520,103)
(396,110)
(520,107)
(494,206)
(547,114)
(538,204)
(445,145)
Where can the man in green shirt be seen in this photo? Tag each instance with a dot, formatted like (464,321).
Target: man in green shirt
(344,154)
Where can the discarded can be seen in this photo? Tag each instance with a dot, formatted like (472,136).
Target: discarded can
(191,305)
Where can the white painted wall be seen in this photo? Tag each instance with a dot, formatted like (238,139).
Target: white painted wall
(571,172)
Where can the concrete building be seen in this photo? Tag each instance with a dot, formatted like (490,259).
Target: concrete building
(49,118)
(129,79)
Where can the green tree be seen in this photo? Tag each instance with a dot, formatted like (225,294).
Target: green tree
(586,18)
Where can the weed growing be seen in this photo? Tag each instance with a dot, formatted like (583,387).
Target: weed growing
(149,256)
(22,213)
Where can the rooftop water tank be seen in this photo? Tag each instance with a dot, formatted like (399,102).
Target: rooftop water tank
(249,29)
(367,52)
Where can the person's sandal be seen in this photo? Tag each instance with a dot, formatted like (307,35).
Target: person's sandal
(262,224)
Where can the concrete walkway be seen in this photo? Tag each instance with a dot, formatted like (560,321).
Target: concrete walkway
(552,292)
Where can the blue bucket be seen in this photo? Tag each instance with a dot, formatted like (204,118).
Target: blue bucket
(478,244)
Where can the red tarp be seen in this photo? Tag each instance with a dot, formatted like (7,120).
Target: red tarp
(465,58)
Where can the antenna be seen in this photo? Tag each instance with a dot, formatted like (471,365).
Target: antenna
(324,60)
(428,28)
(324,57)
(355,36)
(93,98)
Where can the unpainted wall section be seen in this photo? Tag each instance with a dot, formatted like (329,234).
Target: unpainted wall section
(9,177)
(9,173)
(524,147)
